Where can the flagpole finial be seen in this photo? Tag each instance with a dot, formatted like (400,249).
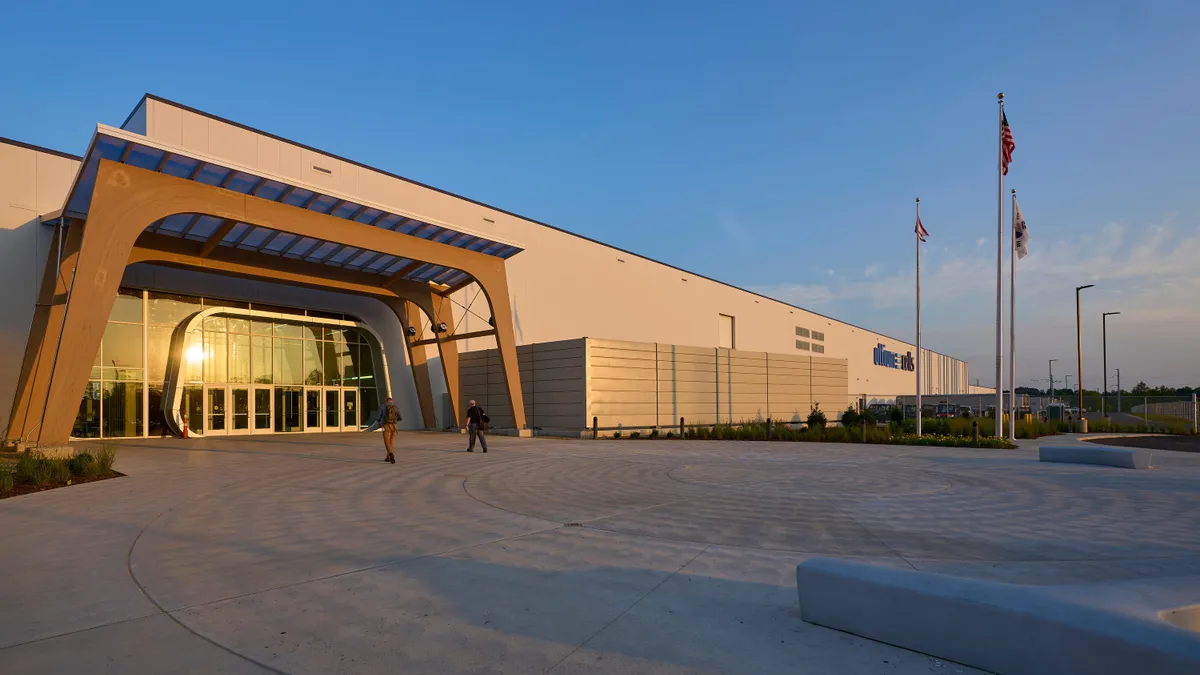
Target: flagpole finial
(1000,96)
(1014,191)
(918,200)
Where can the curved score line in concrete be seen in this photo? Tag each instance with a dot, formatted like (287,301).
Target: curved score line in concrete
(166,612)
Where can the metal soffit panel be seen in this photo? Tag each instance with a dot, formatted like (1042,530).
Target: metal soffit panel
(273,242)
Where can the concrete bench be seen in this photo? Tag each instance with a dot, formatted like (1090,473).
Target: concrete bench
(1126,458)
(1114,628)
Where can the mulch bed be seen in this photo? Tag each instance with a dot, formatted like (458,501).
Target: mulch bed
(1177,443)
(25,488)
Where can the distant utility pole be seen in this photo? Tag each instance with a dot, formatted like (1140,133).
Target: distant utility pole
(1052,377)
(1118,390)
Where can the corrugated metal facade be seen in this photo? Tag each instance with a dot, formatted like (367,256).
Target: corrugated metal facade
(642,384)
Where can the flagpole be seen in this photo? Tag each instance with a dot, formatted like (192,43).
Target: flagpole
(1000,268)
(917,363)
(1012,322)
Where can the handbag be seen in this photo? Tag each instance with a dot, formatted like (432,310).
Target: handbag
(483,422)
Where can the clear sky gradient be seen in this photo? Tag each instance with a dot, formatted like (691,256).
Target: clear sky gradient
(777,146)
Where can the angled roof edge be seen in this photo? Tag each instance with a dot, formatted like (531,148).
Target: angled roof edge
(40,148)
(368,167)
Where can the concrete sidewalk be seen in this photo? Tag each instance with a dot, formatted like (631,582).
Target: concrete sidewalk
(308,554)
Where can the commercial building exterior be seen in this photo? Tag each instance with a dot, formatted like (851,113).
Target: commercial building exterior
(189,272)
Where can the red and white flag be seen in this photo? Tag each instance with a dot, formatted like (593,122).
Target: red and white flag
(1007,144)
(922,233)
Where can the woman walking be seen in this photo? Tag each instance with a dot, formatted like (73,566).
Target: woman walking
(389,417)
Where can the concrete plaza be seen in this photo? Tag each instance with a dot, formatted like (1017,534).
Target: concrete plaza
(308,554)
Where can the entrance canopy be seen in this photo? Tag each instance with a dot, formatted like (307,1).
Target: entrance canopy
(132,149)
(139,200)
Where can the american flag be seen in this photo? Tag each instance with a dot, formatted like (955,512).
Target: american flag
(1006,140)
(922,233)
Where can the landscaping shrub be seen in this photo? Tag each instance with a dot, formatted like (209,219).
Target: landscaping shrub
(635,435)
(84,464)
(816,418)
(895,414)
(868,416)
(105,457)
(1034,429)
(902,433)
(783,432)
(34,468)
(850,417)
(654,433)
(31,469)
(58,470)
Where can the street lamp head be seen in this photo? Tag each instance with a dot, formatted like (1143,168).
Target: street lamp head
(1111,313)
(1080,288)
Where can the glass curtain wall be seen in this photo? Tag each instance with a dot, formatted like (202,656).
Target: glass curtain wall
(112,404)
(124,395)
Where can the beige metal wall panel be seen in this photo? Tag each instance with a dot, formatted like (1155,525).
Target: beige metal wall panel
(235,143)
(32,183)
(269,155)
(671,306)
(165,123)
(291,162)
(194,132)
(605,397)
(682,371)
(18,182)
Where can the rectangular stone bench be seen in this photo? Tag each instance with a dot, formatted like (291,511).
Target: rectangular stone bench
(1125,458)
(1120,628)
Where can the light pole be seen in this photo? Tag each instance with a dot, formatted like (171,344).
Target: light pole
(1104,338)
(1079,352)
(1067,380)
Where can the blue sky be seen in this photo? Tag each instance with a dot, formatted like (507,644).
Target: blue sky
(775,146)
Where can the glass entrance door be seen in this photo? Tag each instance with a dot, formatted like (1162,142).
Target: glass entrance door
(312,409)
(239,411)
(350,410)
(333,410)
(288,404)
(192,408)
(215,411)
(262,410)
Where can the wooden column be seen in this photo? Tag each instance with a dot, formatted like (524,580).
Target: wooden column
(112,227)
(495,288)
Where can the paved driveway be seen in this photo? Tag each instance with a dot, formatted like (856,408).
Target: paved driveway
(308,554)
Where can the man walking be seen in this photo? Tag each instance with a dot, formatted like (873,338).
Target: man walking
(389,417)
(476,424)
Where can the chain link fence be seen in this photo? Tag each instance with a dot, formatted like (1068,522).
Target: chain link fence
(1174,414)
(936,405)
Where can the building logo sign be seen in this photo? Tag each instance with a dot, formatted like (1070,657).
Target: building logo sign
(893,359)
